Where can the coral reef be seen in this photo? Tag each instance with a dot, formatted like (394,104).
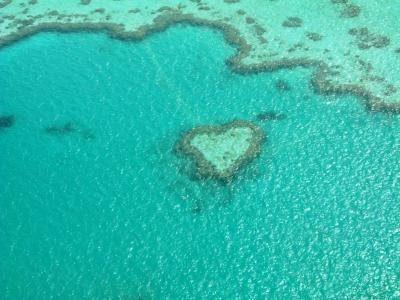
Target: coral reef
(219,151)
(329,36)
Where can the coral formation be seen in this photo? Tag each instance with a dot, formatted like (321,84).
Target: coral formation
(220,151)
(252,26)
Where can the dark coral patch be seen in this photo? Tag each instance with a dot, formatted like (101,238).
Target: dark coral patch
(59,130)
(7,121)
(366,39)
(282,85)
(4,3)
(292,22)
(314,36)
(271,116)
(350,11)
(69,128)
(250,20)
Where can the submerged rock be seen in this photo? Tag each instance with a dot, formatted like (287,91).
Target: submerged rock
(7,121)
(220,151)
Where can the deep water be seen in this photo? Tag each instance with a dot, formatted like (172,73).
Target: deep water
(95,205)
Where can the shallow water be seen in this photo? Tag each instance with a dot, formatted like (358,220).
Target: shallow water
(105,210)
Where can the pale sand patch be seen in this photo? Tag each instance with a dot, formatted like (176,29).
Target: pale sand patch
(224,149)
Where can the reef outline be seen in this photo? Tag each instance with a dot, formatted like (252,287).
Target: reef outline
(204,168)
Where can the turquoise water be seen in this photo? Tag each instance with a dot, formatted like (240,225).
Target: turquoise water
(105,210)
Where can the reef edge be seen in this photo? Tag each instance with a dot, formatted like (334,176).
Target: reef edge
(231,35)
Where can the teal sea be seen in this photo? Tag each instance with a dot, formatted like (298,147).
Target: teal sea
(94,204)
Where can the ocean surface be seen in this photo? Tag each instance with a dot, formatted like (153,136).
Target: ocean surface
(94,204)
